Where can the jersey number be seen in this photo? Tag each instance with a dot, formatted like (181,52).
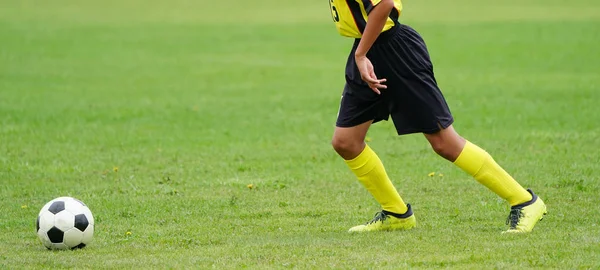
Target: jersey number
(334,12)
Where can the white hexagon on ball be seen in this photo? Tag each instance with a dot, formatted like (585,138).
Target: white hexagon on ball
(45,221)
(74,206)
(65,223)
(73,237)
(88,235)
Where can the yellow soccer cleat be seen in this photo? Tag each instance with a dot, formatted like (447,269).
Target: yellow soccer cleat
(386,221)
(523,217)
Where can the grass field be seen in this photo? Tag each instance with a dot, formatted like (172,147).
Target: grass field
(159,114)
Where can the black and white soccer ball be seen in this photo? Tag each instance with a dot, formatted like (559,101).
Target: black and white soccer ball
(65,223)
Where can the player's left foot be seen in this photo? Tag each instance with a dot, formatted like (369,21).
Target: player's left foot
(385,221)
(523,217)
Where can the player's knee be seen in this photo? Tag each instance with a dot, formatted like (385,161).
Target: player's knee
(443,149)
(340,145)
(446,149)
(446,143)
(345,147)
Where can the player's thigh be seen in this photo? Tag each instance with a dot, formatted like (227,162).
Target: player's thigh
(349,142)
(359,108)
(445,136)
(353,134)
(359,105)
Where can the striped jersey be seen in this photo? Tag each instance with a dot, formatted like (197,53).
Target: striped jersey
(350,16)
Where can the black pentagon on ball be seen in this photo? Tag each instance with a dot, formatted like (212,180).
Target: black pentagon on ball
(56,207)
(55,235)
(37,224)
(81,222)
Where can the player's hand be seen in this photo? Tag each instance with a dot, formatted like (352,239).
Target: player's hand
(367,73)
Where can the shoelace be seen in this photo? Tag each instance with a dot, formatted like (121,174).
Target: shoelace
(513,217)
(380,216)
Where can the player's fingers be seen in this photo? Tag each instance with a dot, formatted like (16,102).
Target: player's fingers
(372,77)
(378,85)
(376,90)
(374,80)
(366,79)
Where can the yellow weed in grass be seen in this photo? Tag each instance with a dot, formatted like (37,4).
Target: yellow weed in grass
(128,233)
(115,169)
(431,174)
(24,206)
(250,186)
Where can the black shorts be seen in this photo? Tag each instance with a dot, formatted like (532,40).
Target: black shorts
(412,97)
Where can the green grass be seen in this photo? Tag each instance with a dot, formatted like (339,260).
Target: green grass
(158,115)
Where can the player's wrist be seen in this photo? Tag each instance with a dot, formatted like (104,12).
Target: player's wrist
(359,55)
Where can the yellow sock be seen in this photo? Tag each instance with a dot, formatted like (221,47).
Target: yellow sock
(370,172)
(478,163)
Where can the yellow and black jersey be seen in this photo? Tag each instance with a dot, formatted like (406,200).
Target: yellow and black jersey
(350,16)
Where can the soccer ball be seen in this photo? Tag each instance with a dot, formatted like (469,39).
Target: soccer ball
(65,223)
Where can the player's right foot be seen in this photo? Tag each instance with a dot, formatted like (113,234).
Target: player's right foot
(523,217)
(385,221)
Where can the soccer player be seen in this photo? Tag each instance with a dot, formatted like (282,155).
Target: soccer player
(389,72)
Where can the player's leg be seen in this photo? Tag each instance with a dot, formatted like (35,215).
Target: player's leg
(526,207)
(359,108)
(419,106)
(349,143)
(478,163)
